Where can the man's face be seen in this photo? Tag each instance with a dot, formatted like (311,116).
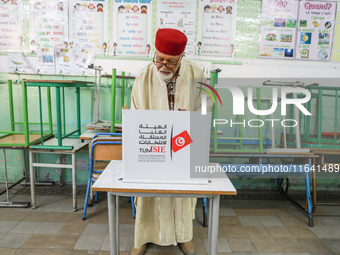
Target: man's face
(172,64)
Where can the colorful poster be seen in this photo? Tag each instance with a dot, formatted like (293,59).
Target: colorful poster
(64,60)
(205,66)
(10,25)
(48,24)
(18,63)
(82,59)
(216,34)
(46,64)
(278,29)
(88,25)
(179,15)
(132,28)
(315,30)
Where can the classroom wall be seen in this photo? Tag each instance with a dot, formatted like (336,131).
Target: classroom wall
(253,68)
(245,65)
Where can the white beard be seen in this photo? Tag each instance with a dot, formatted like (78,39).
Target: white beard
(165,76)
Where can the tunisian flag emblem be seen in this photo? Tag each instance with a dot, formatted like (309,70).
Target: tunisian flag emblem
(180,141)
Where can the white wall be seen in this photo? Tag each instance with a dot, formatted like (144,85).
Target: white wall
(251,68)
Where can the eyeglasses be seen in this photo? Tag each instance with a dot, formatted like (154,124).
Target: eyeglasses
(168,65)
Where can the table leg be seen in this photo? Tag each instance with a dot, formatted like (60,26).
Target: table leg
(32,179)
(78,111)
(24,165)
(210,224)
(74,182)
(61,171)
(117,224)
(111,199)
(314,185)
(215,221)
(309,198)
(6,180)
(57,92)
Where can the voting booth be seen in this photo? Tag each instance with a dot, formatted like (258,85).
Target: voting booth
(165,146)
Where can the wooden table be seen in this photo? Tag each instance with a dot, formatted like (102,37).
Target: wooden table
(76,145)
(89,134)
(8,203)
(321,164)
(298,168)
(16,142)
(110,182)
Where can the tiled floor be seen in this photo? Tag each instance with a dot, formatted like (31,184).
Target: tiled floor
(246,227)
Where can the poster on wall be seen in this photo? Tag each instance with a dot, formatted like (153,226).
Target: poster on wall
(217,28)
(11,25)
(82,59)
(48,24)
(46,64)
(278,29)
(179,15)
(315,30)
(132,22)
(18,63)
(88,25)
(205,66)
(64,60)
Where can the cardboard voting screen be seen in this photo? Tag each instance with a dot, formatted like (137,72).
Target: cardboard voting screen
(165,146)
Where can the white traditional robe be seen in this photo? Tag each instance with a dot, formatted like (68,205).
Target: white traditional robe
(166,221)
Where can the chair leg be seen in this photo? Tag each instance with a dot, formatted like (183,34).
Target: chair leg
(133,207)
(96,197)
(205,213)
(87,198)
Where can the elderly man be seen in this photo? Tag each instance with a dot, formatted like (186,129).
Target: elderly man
(166,84)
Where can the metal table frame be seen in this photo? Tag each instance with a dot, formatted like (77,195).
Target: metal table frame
(321,162)
(57,84)
(61,166)
(8,203)
(113,125)
(309,208)
(318,141)
(113,206)
(110,181)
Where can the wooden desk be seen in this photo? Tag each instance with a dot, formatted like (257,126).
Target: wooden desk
(89,134)
(256,161)
(8,203)
(57,84)
(110,182)
(16,142)
(321,164)
(76,145)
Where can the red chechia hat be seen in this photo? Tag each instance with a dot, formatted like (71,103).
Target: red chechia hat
(170,41)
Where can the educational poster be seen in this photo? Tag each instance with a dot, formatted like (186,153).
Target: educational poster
(132,22)
(205,66)
(217,28)
(46,64)
(64,60)
(315,30)
(278,29)
(10,25)
(18,63)
(82,59)
(88,25)
(179,15)
(48,24)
